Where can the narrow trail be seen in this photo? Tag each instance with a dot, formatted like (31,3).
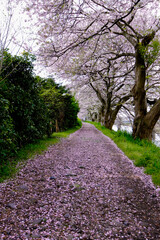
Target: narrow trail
(81,188)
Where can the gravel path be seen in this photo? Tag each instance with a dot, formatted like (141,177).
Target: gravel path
(81,188)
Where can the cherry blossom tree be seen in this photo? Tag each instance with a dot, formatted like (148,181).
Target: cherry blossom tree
(89,106)
(68,29)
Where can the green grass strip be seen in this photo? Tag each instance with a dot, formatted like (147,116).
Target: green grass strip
(10,167)
(143,153)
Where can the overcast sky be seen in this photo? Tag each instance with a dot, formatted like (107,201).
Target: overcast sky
(15,32)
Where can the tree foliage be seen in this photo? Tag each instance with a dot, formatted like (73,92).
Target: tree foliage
(22,94)
(29,105)
(7,132)
(62,106)
(92,38)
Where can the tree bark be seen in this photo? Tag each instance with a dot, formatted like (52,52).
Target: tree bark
(139,93)
(143,122)
(149,121)
(111,114)
(108,113)
(57,126)
(110,118)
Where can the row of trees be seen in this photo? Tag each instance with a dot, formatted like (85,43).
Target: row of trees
(111,46)
(31,107)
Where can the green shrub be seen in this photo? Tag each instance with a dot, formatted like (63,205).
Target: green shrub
(27,109)
(30,107)
(7,133)
(62,106)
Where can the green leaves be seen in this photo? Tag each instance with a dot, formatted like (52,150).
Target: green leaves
(62,107)
(22,109)
(150,52)
(7,133)
(153,51)
(30,107)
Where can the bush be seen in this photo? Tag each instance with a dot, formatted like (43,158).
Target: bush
(27,109)
(30,107)
(7,133)
(62,106)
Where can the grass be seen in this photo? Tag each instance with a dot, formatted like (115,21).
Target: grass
(12,166)
(143,153)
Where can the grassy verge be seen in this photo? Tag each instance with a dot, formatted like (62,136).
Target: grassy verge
(10,167)
(143,153)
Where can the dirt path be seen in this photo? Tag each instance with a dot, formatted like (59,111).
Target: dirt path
(82,188)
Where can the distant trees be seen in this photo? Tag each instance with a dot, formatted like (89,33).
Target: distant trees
(30,106)
(75,36)
(62,106)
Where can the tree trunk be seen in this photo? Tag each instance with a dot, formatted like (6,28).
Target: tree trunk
(108,122)
(111,114)
(102,114)
(139,93)
(57,127)
(149,121)
(99,115)
(110,117)
(140,124)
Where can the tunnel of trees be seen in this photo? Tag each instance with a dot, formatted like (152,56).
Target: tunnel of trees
(111,46)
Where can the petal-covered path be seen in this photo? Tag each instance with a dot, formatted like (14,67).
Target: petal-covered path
(81,188)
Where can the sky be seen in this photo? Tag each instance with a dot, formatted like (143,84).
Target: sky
(12,24)
(15,31)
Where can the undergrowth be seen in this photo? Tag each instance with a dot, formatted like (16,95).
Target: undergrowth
(142,152)
(10,167)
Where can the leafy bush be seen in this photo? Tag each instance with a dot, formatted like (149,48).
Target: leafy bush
(30,107)
(7,133)
(27,109)
(62,106)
